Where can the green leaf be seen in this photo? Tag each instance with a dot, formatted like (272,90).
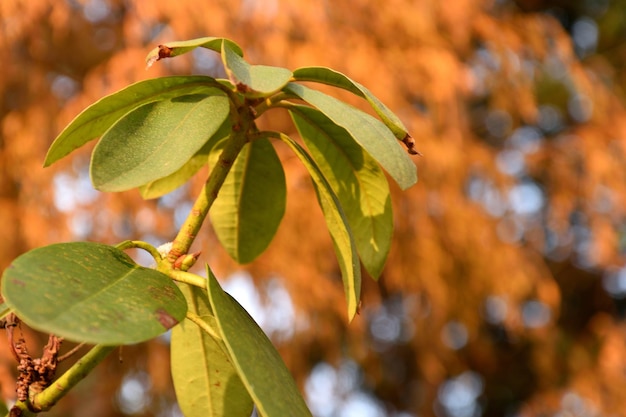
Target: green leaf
(89,292)
(368,131)
(172,49)
(335,78)
(162,186)
(253,80)
(4,310)
(251,202)
(156,139)
(356,179)
(205,380)
(100,116)
(260,367)
(337,224)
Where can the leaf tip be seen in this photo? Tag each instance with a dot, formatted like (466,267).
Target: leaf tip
(151,60)
(409,142)
(165,52)
(158,53)
(50,158)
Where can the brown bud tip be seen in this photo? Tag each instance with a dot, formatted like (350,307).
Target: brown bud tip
(165,52)
(179,261)
(410,145)
(242,88)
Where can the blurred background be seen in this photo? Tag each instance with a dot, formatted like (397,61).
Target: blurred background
(505,290)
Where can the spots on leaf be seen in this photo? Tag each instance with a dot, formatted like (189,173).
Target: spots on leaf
(166,320)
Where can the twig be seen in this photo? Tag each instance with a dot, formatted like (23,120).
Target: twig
(200,209)
(71,352)
(44,400)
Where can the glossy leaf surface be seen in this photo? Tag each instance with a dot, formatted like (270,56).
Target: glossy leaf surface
(335,78)
(205,380)
(89,292)
(260,367)
(156,139)
(368,131)
(356,179)
(100,116)
(162,186)
(253,80)
(251,203)
(337,224)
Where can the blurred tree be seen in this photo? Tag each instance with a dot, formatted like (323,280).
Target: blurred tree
(504,292)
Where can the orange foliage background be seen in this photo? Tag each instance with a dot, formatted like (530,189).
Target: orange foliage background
(508,256)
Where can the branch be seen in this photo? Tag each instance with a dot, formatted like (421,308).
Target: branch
(20,409)
(48,397)
(274,101)
(200,209)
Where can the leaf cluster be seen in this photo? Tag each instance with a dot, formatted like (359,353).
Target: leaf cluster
(154,136)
